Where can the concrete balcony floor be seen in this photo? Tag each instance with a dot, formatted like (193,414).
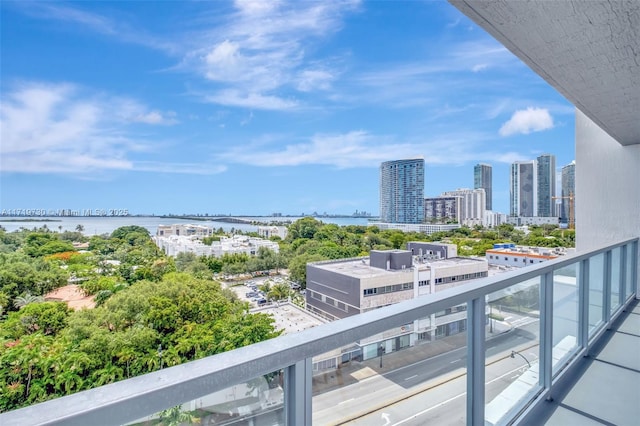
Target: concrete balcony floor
(607,389)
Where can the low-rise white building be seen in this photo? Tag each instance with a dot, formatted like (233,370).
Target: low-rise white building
(186,230)
(520,256)
(174,244)
(416,227)
(273,231)
(533,220)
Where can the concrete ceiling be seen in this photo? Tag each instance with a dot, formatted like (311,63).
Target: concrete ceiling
(587,50)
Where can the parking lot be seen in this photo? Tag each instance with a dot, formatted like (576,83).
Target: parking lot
(288,317)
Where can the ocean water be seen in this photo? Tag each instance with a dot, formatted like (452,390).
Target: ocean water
(106,225)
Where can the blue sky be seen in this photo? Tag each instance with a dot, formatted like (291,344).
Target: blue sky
(254,107)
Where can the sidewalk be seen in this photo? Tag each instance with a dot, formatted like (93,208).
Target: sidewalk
(356,371)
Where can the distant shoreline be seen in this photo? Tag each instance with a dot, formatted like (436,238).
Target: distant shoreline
(30,220)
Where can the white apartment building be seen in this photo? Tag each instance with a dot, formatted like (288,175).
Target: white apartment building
(472,205)
(533,220)
(187,230)
(273,231)
(493,219)
(521,256)
(416,227)
(174,244)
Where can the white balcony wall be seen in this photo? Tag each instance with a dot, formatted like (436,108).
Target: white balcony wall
(607,187)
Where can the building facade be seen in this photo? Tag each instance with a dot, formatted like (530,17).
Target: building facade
(568,190)
(546,170)
(426,228)
(521,256)
(482,178)
(402,191)
(472,205)
(173,245)
(273,231)
(442,209)
(185,230)
(493,219)
(341,288)
(523,189)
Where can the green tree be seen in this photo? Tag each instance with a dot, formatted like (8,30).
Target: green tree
(298,267)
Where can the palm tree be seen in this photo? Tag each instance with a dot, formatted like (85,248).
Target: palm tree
(279,291)
(79,228)
(22,301)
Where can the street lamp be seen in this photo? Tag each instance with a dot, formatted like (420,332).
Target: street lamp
(514,353)
(380,353)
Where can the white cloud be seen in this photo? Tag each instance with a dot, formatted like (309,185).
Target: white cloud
(62,128)
(359,148)
(527,121)
(315,79)
(250,100)
(156,117)
(100,24)
(479,67)
(259,51)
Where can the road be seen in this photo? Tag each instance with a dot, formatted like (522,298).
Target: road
(433,390)
(441,377)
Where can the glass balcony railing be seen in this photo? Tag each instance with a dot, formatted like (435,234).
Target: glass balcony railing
(482,353)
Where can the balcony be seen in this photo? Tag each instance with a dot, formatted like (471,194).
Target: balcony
(555,341)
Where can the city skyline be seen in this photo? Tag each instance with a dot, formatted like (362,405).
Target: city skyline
(253,108)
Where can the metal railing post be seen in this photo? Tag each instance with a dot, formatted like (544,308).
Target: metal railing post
(546,333)
(297,393)
(623,274)
(635,268)
(476,320)
(606,288)
(583,304)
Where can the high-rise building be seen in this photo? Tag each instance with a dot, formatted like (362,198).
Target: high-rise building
(568,190)
(402,191)
(482,178)
(471,207)
(546,170)
(523,188)
(442,209)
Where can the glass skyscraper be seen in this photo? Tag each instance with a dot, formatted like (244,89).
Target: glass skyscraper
(402,191)
(524,188)
(546,165)
(482,179)
(568,189)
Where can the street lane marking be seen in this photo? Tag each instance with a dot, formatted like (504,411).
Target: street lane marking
(454,361)
(450,399)
(429,409)
(409,378)
(345,401)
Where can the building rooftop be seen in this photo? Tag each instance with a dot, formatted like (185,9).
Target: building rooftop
(360,268)
(547,252)
(289,317)
(452,261)
(357,268)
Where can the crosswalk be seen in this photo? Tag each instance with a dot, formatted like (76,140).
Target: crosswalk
(520,321)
